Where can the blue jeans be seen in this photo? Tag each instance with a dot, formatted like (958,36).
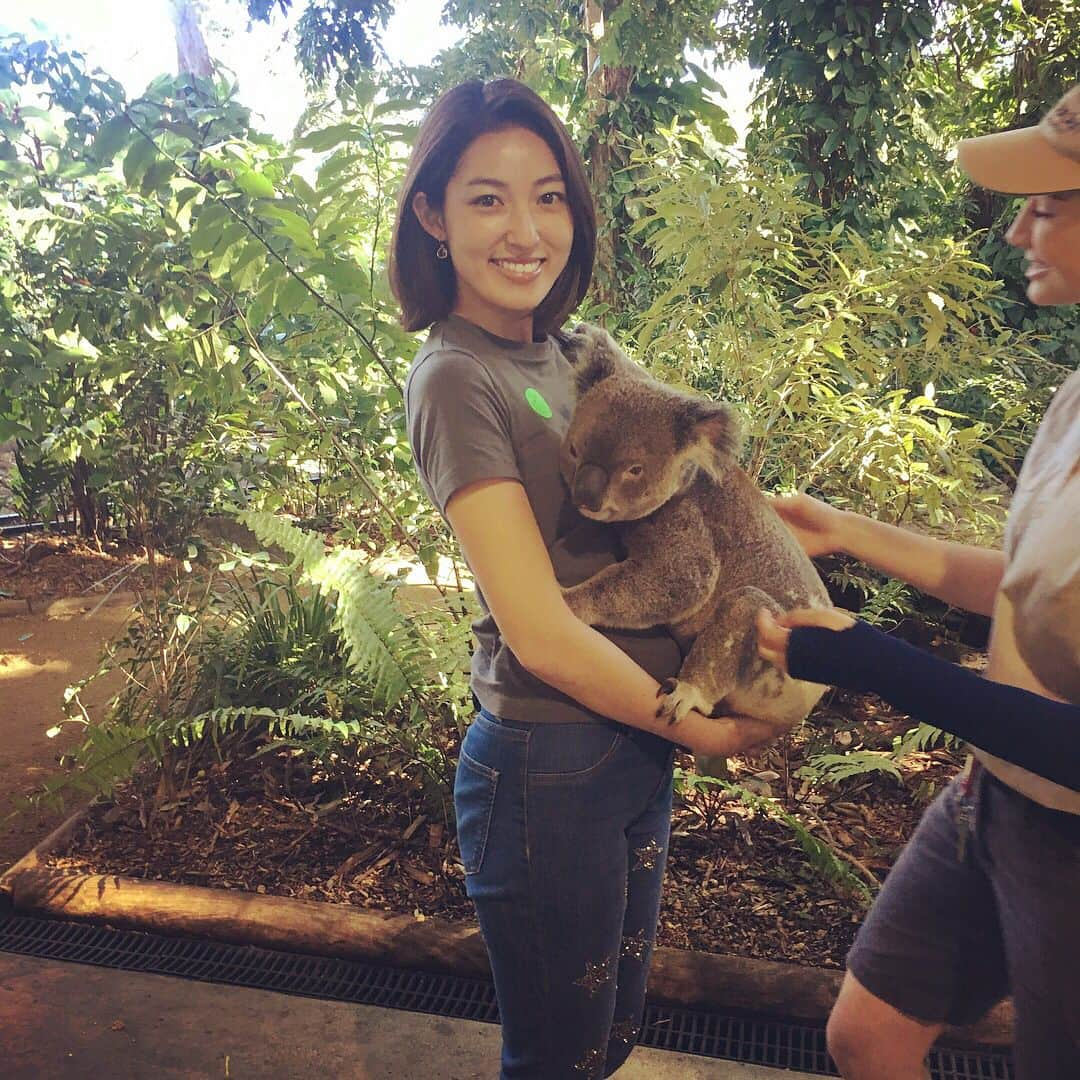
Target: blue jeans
(563,830)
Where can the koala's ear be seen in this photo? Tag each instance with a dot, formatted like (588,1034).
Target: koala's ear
(712,422)
(592,353)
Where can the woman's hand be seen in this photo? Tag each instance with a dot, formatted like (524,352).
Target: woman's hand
(724,736)
(773,634)
(817,526)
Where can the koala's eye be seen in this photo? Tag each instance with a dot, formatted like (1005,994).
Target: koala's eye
(635,470)
(573,451)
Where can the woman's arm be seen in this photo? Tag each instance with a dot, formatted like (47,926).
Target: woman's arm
(1030,730)
(959,574)
(494,524)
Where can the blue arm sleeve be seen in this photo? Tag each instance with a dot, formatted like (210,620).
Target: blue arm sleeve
(1027,729)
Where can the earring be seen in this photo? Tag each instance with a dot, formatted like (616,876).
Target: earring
(442,251)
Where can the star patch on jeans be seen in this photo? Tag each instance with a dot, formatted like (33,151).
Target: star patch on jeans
(635,945)
(648,855)
(595,977)
(592,1064)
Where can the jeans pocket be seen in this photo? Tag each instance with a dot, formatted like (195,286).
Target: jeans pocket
(474,802)
(560,753)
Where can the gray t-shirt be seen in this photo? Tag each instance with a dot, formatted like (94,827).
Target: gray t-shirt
(480,407)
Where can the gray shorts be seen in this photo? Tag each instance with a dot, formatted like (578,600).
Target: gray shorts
(983,902)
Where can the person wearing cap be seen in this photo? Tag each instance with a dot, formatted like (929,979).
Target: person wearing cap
(983,902)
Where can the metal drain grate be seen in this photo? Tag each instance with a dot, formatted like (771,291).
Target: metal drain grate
(783,1045)
(247,965)
(780,1045)
(760,1042)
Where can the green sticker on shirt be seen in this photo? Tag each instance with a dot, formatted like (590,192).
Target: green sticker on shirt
(537,403)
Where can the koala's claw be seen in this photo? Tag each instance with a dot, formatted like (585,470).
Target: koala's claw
(665,688)
(680,698)
(675,705)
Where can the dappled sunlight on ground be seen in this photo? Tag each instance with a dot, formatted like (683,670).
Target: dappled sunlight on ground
(41,653)
(19,665)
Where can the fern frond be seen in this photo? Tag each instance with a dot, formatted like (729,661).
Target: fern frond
(833,768)
(829,864)
(382,647)
(380,642)
(922,738)
(108,755)
(224,721)
(306,548)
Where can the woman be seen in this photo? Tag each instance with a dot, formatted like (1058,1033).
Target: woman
(563,788)
(983,901)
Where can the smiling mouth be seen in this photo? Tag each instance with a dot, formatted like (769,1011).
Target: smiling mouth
(519,270)
(1036,269)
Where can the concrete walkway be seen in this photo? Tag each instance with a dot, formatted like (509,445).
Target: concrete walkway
(64,1021)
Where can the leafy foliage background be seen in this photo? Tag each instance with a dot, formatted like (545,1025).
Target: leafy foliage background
(195,318)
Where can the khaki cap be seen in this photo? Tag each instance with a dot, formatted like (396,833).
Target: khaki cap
(1029,161)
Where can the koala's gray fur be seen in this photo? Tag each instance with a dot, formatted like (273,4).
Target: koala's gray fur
(705,550)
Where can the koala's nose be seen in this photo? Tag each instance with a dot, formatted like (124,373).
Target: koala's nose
(590,483)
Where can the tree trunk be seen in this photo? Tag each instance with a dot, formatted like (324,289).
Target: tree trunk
(82,495)
(603,84)
(192,55)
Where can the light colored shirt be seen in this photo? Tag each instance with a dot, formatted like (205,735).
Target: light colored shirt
(1035,642)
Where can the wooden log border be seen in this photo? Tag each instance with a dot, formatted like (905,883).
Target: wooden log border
(677,976)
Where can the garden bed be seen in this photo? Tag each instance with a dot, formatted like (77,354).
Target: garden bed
(242,860)
(736,884)
(357,861)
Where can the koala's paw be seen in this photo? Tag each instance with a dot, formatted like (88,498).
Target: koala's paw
(678,698)
(579,342)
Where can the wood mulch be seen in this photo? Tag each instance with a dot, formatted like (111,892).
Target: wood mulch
(737,881)
(38,568)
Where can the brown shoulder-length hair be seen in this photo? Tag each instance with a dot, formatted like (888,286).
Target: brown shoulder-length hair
(425,286)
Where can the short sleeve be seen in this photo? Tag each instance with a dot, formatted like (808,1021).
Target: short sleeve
(458,425)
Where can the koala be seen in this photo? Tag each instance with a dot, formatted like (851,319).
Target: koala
(705,550)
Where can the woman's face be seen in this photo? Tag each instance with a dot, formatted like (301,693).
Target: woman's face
(1048,230)
(508,227)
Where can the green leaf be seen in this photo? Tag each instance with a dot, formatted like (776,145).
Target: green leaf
(157,176)
(12,429)
(291,225)
(137,160)
(208,228)
(254,184)
(706,80)
(327,138)
(248,264)
(111,136)
(396,105)
(291,296)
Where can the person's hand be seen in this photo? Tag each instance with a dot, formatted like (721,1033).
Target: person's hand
(773,633)
(724,736)
(817,526)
